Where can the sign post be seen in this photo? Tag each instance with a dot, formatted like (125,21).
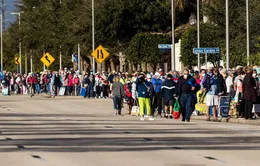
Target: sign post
(100,54)
(206,51)
(47,59)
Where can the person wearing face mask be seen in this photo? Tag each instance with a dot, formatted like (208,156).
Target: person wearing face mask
(168,93)
(175,76)
(185,89)
(143,90)
(238,90)
(157,99)
(217,87)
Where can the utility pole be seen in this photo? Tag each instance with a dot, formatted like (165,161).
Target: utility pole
(227,34)
(3,13)
(93,35)
(247,33)
(198,30)
(173,39)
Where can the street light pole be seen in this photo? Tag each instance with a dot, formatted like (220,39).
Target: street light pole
(2,64)
(93,35)
(173,40)
(198,30)
(60,59)
(227,34)
(247,33)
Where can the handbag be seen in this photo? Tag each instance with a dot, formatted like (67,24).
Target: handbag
(176,110)
(135,109)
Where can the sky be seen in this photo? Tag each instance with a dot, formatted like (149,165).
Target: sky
(9,5)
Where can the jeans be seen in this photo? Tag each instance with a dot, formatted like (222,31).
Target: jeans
(117,103)
(186,102)
(90,90)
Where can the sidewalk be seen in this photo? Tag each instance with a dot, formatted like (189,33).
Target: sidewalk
(231,120)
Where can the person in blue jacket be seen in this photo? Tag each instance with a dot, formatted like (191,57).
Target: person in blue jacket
(143,90)
(157,99)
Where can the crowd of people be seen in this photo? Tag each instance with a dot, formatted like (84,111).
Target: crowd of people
(154,94)
(157,93)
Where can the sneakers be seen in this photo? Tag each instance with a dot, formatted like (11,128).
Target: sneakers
(151,119)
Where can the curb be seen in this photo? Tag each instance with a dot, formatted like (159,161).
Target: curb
(231,120)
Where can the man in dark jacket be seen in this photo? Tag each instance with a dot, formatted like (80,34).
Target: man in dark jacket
(185,87)
(168,93)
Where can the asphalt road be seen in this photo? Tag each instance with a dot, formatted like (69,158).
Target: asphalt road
(69,131)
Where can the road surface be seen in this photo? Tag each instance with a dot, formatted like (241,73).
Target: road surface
(69,131)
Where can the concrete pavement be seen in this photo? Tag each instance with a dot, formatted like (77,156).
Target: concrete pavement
(69,131)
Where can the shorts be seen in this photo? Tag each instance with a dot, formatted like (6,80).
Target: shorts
(212,100)
(168,102)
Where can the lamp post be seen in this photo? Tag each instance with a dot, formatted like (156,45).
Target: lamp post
(93,35)
(198,30)
(227,34)
(2,64)
(173,40)
(247,33)
(20,43)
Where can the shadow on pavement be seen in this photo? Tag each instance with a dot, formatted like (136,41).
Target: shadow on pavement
(96,136)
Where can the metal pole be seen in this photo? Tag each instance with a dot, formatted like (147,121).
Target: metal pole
(198,30)
(173,40)
(93,35)
(247,32)
(43,63)
(2,64)
(31,61)
(25,63)
(20,44)
(206,56)
(60,59)
(79,58)
(227,34)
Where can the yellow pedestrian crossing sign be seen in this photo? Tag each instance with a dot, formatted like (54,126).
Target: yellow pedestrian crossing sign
(100,54)
(47,59)
(17,60)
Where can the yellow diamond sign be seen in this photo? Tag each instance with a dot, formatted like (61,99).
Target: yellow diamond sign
(100,54)
(17,60)
(47,59)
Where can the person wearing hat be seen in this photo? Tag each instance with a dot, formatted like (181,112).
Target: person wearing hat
(143,90)
(157,100)
(168,93)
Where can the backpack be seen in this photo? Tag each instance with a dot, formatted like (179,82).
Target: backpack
(206,83)
(128,92)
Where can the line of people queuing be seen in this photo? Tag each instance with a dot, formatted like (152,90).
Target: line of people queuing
(156,94)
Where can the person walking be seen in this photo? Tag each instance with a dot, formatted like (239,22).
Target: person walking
(168,94)
(143,91)
(117,93)
(185,91)
(249,93)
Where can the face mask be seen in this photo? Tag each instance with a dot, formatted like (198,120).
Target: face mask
(210,73)
(192,74)
(254,75)
(185,76)
(203,74)
(174,75)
